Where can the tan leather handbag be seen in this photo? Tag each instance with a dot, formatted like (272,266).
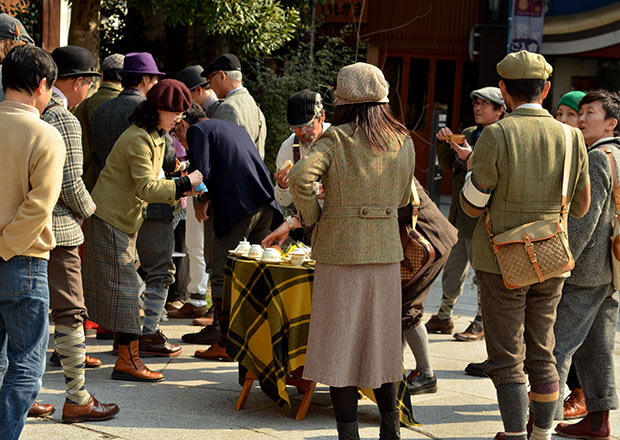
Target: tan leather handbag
(418,252)
(537,251)
(615,232)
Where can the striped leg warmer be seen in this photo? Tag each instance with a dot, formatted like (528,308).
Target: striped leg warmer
(71,347)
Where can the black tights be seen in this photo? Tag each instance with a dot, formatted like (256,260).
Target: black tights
(126,338)
(345,399)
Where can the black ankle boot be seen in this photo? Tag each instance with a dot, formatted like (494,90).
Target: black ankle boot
(348,431)
(390,426)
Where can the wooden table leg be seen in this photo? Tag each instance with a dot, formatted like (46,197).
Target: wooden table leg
(305,402)
(245,391)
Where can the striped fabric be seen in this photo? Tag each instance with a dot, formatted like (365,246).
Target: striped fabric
(268,306)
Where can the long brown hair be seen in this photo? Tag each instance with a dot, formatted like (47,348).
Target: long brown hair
(375,120)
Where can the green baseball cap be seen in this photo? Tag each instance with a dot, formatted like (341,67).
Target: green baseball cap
(524,65)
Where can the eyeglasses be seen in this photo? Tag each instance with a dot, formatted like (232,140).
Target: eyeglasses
(306,128)
(180,117)
(480,102)
(90,82)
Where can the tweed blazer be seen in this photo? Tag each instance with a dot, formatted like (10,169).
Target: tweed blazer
(84,112)
(111,119)
(364,187)
(449,161)
(241,109)
(518,162)
(130,179)
(589,236)
(75,201)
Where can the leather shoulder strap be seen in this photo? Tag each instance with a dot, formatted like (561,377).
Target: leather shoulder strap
(567,163)
(616,188)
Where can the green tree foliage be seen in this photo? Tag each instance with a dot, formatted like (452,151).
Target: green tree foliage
(271,81)
(252,27)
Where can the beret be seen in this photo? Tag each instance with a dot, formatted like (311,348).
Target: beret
(169,95)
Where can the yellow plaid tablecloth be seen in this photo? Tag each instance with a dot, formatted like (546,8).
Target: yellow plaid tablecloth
(268,307)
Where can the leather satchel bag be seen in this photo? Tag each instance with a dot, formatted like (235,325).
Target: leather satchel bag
(418,252)
(537,251)
(615,233)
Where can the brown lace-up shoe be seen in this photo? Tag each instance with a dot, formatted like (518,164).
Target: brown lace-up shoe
(41,409)
(92,411)
(188,311)
(575,405)
(157,344)
(436,325)
(474,332)
(214,353)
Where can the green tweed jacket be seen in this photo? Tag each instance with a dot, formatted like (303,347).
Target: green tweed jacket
(130,179)
(449,161)
(364,187)
(519,161)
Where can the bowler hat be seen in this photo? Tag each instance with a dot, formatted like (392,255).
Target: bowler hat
(169,95)
(359,83)
(74,61)
(524,65)
(12,28)
(303,107)
(224,62)
(140,63)
(190,76)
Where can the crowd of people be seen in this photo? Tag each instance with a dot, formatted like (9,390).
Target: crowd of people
(123,170)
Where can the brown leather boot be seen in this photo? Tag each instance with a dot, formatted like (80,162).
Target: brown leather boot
(129,366)
(594,426)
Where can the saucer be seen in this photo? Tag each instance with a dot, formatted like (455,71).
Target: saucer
(271,260)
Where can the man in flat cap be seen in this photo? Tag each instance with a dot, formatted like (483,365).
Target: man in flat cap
(516,176)
(198,86)
(306,119)
(236,104)
(109,89)
(75,77)
(12,33)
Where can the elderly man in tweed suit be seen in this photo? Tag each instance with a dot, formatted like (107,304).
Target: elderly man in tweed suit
(75,75)
(516,176)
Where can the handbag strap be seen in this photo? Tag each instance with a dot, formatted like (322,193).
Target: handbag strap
(568,157)
(415,204)
(616,187)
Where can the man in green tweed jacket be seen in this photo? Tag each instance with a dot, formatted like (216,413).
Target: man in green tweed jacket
(516,174)
(75,75)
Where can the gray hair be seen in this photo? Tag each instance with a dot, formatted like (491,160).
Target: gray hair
(234,75)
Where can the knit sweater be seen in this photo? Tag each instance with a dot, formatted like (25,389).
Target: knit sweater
(34,154)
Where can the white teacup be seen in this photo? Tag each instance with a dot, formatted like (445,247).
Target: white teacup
(256,251)
(243,247)
(271,254)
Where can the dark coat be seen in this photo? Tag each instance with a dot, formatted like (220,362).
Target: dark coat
(236,177)
(442,235)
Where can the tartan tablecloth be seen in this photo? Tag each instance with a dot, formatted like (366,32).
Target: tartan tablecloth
(268,307)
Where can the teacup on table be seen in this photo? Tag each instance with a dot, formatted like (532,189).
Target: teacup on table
(297,256)
(243,248)
(256,251)
(271,255)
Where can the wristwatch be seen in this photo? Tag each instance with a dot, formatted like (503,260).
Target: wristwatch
(289,220)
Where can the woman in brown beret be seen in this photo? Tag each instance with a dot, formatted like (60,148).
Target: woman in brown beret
(128,182)
(365,161)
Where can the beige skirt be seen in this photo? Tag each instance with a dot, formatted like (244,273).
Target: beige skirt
(355,326)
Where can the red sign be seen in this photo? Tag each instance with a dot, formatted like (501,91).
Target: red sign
(343,11)
(529,8)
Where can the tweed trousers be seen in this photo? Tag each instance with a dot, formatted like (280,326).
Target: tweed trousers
(585,331)
(155,245)
(519,329)
(454,276)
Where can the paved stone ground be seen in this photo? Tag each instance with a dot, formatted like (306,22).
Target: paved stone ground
(197,398)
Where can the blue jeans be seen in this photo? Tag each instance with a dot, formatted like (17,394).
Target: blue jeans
(24,331)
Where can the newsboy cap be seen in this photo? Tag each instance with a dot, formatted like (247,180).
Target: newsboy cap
(12,28)
(492,94)
(169,95)
(303,107)
(74,61)
(524,65)
(190,76)
(113,62)
(359,83)
(225,62)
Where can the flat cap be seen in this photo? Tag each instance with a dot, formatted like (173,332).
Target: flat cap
(74,61)
(169,95)
(492,94)
(225,62)
(524,65)
(113,62)
(191,77)
(359,83)
(303,107)
(13,29)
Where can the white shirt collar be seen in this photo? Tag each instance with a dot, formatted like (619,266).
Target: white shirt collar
(530,105)
(62,96)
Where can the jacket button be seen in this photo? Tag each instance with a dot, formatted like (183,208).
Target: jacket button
(388,211)
(364,211)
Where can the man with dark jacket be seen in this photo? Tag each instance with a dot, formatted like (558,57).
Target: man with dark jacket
(242,207)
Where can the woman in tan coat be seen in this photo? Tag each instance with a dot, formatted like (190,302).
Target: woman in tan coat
(365,161)
(130,180)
